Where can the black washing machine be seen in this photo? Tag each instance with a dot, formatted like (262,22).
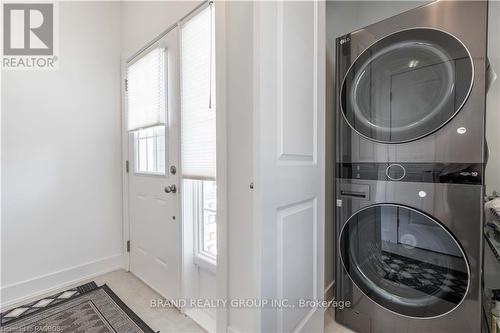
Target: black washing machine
(410,105)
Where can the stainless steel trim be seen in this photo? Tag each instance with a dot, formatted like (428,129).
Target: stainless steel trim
(431,218)
(424,135)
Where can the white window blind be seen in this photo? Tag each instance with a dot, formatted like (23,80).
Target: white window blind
(198,97)
(146,84)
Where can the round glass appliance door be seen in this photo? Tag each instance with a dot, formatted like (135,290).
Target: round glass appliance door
(407,85)
(404,261)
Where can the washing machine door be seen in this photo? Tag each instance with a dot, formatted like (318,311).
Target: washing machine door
(404,260)
(407,85)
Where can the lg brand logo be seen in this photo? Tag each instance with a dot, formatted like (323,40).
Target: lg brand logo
(29,36)
(345,40)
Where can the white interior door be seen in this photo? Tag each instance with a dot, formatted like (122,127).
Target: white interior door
(155,232)
(290,109)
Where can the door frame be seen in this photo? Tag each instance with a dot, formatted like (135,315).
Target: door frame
(222,278)
(222,275)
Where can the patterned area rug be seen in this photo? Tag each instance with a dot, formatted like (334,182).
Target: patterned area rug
(86,309)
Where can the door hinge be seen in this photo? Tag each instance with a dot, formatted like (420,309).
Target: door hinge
(127,168)
(126,84)
(128,246)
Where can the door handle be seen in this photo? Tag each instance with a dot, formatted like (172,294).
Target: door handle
(171,189)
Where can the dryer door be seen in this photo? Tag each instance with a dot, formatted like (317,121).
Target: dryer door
(407,85)
(418,271)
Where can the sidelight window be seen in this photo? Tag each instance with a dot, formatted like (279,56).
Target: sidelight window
(198,133)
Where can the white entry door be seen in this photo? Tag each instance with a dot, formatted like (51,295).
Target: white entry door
(155,232)
(290,179)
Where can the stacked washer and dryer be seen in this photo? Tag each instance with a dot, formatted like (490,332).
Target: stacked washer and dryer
(409,181)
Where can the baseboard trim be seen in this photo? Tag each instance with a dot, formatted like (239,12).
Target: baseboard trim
(47,283)
(330,285)
(330,291)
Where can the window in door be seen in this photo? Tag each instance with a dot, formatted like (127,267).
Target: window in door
(150,150)
(146,105)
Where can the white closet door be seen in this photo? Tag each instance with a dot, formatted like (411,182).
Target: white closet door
(290,157)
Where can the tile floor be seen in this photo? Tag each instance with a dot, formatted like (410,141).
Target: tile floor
(333,327)
(138,295)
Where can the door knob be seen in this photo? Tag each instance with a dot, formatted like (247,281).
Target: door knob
(171,189)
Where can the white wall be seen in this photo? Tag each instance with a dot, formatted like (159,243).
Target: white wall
(493,101)
(144,20)
(61,158)
(343,17)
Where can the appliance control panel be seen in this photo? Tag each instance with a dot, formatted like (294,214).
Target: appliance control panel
(456,173)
